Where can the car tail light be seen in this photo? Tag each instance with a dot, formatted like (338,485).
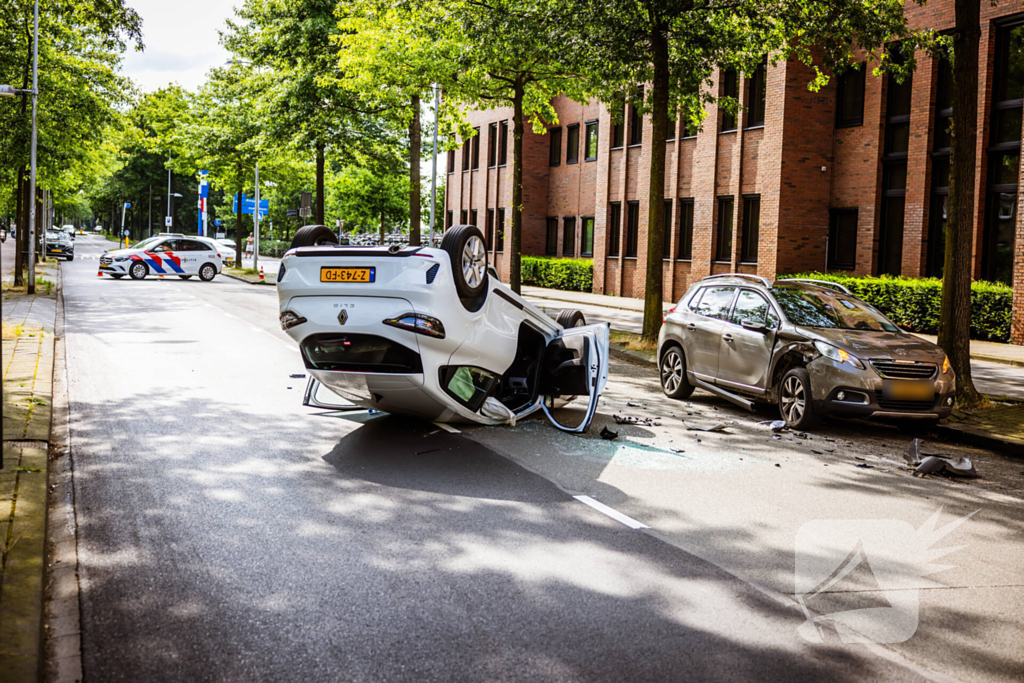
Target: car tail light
(290,319)
(664,318)
(418,323)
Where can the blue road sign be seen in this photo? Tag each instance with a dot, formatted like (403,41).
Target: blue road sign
(217,222)
(249,205)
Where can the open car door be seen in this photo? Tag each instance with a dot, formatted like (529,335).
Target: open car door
(574,369)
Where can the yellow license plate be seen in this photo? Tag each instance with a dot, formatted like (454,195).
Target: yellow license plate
(57,251)
(348,275)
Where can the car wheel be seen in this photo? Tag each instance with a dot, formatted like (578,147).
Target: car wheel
(139,270)
(570,317)
(71,258)
(313,236)
(207,272)
(185,277)
(917,427)
(116,277)
(795,404)
(673,373)
(468,254)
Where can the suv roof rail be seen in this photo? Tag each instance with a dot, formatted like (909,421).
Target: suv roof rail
(823,283)
(762,280)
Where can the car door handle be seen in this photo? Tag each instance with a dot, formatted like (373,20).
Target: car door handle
(691,326)
(727,337)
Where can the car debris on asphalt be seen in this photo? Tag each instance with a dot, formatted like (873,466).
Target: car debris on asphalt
(936,463)
(717,427)
(608,435)
(632,420)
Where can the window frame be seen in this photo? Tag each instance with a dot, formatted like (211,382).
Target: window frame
(686,255)
(555,142)
(465,155)
(584,232)
(503,143)
(473,215)
(489,230)
(614,228)
(551,236)
(569,240)
(618,129)
(572,136)
(632,229)
(841,81)
(451,161)
(587,127)
(492,145)
(831,260)
(666,230)
(757,83)
(720,240)
(475,158)
(636,121)
(729,76)
(499,232)
(745,256)
(449,218)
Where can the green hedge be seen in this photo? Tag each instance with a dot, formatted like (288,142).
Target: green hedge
(274,248)
(915,303)
(568,274)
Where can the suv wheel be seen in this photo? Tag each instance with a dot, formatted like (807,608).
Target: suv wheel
(795,404)
(468,254)
(313,236)
(673,373)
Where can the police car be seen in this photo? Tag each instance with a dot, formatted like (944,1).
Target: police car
(164,254)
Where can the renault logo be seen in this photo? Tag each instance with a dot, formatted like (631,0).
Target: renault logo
(343,316)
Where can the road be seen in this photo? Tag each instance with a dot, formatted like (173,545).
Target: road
(227,533)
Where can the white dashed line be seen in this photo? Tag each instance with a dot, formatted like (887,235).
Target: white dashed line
(448,428)
(614,514)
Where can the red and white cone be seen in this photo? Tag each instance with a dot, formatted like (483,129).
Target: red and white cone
(261,275)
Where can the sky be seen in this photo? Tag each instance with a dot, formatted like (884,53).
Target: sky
(181,42)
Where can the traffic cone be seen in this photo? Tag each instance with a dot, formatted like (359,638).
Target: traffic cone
(261,275)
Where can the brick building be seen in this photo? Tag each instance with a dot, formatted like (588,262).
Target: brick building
(852,178)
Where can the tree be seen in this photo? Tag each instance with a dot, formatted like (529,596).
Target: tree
(955,312)
(372,199)
(484,54)
(675,47)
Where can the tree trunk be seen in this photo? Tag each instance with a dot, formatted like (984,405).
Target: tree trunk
(19,250)
(239,239)
(955,315)
(514,275)
(656,194)
(414,173)
(320,184)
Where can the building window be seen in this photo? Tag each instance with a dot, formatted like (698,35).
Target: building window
(503,143)
(632,227)
(730,89)
(756,96)
(448,220)
(842,239)
(551,243)
(489,235)
(684,246)
(465,155)
(572,144)
(476,149)
(894,173)
(555,153)
(492,145)
(998,241)
(850,97)
(936,252)
(666,230)
(463,215)
(751,229)
(499,244)
(587,236)
(590,142)
(569,236)
(614,224)
(723,245)
(670,130)
(451,161)
(636,121)
(472,217)
(618,129)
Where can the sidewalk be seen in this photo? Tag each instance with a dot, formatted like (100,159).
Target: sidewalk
(28,348)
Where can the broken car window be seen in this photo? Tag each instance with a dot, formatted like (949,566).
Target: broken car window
(810,308)
(468,385)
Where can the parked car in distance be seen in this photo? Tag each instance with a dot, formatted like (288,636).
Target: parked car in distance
(164,254)
(59,245)
(432,333)
(810,347)
(69,230)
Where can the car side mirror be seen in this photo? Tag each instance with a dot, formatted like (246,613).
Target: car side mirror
(754,325)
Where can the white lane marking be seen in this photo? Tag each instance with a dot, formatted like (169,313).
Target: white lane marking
(611,512)
(448,428)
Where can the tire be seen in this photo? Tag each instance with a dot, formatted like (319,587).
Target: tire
(672,369)
(313,236)
(795,404)
(468,254)
(570,317)
(117,277)
(917,427)
(138,270)
(207,272)
(71,258)
(185,277)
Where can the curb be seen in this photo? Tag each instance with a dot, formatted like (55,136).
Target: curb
(248,282)
(634,356)
(978,437)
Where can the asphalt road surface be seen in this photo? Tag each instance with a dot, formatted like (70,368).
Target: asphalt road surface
(227,533)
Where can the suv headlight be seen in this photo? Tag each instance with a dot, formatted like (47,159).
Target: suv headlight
(120,258)
(946,367)
(837,354)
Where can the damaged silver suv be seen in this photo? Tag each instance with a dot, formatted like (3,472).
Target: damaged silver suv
(809,346)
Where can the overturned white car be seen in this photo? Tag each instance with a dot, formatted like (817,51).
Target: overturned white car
(432,333)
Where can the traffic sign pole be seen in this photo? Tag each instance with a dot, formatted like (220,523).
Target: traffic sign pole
(256,222)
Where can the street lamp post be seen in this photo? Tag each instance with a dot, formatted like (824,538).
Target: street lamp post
(9,91)
(433,169)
